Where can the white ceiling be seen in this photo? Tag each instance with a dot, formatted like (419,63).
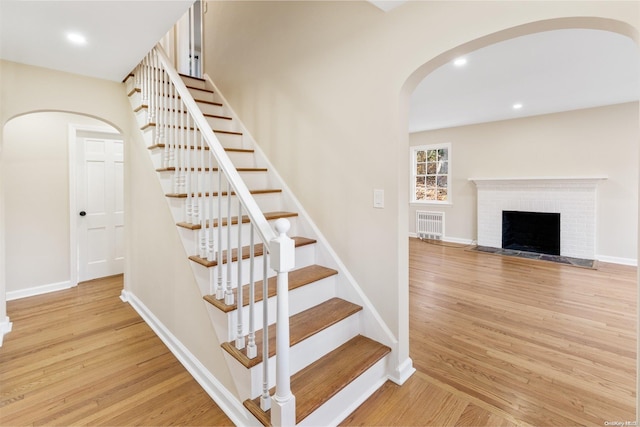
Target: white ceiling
(547,72)
(119,33)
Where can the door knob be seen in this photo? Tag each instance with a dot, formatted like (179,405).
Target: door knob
(82,213)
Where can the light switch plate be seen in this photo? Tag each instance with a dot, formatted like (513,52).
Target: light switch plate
(378,199)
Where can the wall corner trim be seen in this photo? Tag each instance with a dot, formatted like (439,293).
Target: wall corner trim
(5,328)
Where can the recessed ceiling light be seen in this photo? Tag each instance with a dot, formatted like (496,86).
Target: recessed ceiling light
(460,62)
(517,106)
(77,38)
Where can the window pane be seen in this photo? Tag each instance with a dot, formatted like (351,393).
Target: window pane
(432,168)
(442,181)
(421,169)
(443,154)
(443,168)
(432,155)
(421,156)
(421,193)
(431,188)
(442,194)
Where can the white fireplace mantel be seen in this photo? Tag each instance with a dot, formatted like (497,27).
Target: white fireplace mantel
(547,181)
(573,197)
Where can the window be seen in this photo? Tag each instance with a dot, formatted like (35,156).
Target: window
(431,173)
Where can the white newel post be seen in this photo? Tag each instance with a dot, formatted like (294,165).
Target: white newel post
(282,248)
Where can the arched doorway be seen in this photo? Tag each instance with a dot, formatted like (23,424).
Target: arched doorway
(41,239)
(632,113)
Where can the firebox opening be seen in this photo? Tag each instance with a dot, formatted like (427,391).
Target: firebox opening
(537,232)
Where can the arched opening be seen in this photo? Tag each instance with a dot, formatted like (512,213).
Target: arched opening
(497,342)
(39,191)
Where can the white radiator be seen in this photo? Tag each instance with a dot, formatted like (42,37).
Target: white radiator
(430,225)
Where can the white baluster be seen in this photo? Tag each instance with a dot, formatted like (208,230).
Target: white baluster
(283,403)
(240,342)
(187,167)
(219,253)
(211,174)
(228,295)
(252,350)
(164,114)
(265,398)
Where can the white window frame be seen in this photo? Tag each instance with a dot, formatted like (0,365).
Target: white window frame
(413,151)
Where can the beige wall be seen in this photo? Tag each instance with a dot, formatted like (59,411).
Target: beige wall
(591,142)
(324,87)
(157,270)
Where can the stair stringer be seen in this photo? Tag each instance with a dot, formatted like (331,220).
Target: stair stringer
(372,324)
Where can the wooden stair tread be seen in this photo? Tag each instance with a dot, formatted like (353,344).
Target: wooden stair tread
(206,147)
(301,326)
(173,169)
(234,220)
(297,278)
(173,110)
(224,193)
(258,251)
(323,379)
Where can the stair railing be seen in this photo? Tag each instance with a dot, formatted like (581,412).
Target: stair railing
(204,175)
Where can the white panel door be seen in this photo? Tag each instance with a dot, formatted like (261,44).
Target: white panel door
(100,197)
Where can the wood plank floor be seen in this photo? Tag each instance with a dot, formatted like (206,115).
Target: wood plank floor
(545,343)
(496,341)
(83,357)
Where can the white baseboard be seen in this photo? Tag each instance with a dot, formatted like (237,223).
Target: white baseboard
(39,290)
(219,393)
(449,239)
(615,260)
(5,328)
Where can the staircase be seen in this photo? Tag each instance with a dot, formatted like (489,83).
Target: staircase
(332,366)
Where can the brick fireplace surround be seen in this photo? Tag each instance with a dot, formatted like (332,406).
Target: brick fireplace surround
(573,198)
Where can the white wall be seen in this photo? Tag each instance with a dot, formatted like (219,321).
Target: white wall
(324,89)
(591,142)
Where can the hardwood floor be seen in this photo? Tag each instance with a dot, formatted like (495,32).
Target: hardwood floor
(547,343)
(83,357)
(497,341)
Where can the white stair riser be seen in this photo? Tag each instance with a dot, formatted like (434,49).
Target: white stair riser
(194,82)
(300,299)
(208,181)
(249,381)
(349,398)
(217,110)
(135,100)
(268,202)
(202,94)
(192,238)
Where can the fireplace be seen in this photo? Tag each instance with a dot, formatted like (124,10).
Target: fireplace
(537,232)
(574,198)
